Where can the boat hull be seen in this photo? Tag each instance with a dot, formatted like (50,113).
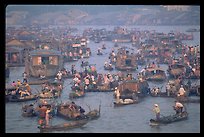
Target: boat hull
(169,119)
(64,126)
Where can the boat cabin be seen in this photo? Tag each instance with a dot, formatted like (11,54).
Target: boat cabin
(125,60)
(44,62)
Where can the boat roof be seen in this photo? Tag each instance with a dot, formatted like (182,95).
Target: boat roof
(45,52)
(14,49)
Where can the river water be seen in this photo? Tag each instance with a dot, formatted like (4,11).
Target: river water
(126,119)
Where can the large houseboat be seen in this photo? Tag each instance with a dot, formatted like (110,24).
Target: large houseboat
(155,74)
(133,86)
(125,60)
(176,70)
(44,62)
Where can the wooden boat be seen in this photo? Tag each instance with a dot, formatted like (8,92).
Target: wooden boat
(8,91)
(125,61)
(169,119)
(100,88)
(14,98)
(44,104)
(28,111)
(125,102)
(93,114)
(141,88)
(176,70)
(64,126)
(48,95)
(55,92)
(44,62)
(63,111)
(162,94)
(10,88)
(157,74)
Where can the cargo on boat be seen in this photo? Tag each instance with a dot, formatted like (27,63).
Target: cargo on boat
(70,111)
(127,101)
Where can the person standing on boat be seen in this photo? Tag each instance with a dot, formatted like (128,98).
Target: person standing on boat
(178,107)
(168,88)
(143,71)
(25,77)
(72,69)
(47,116)
(181,92)
(106,64)
(156,110)
(59,75)
(18,83)
(28,88)
(117,93)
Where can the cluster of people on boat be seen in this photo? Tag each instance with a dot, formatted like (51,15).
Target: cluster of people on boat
(51,88)
(20,89)
(72,110)
(77,54)
(107,65)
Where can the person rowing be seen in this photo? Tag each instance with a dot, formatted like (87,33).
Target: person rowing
(156,110)
(178,107)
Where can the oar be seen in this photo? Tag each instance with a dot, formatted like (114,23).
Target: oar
(34,102)
(99,109)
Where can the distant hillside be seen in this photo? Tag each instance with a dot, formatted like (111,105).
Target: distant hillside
(102,15)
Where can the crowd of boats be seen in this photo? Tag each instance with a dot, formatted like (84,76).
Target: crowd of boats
(44,61)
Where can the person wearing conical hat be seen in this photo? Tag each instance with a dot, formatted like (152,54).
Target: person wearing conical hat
(156,110)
